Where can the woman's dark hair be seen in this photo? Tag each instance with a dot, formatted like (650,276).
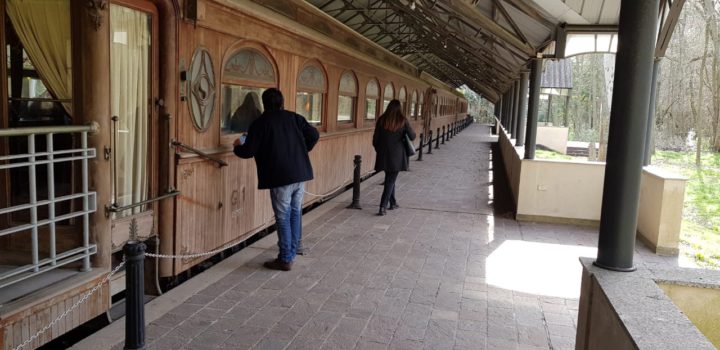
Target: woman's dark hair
(392,119)
(273,100)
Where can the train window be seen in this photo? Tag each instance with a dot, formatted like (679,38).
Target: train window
(372,94)
(310,90)
(347,95)
(246,75)
(388,96)
(402,96)
(413,104)
(420,105)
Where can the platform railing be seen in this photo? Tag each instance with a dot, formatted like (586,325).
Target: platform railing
(49,157)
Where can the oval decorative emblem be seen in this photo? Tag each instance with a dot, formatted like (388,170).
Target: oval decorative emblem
(202,89)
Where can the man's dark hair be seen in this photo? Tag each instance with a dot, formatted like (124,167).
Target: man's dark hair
(273,100)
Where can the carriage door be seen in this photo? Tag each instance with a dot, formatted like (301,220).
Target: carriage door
(133,92)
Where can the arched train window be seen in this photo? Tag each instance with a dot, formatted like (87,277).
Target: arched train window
(420,105)
(388,96)
(402,96)
(413,104)
(347,97)
(311,88)
(246,75)
(372,95)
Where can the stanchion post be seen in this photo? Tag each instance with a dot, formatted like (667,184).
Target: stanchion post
(357,161)
(429,142)
(134,295)
(437,139)
(443,135)
(420,149)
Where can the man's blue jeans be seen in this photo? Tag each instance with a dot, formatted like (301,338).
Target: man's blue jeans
(287,205)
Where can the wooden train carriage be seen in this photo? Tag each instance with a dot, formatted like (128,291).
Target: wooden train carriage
(167,86)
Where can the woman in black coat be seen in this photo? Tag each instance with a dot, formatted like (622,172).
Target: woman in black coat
(390,131)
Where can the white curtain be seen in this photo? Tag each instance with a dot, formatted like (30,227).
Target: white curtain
(130,94)
(44,30)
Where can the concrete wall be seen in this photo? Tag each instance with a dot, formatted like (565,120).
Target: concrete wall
(599,326)
(553,137)
(571,192)
(660,212)
(561,189)
(512,161)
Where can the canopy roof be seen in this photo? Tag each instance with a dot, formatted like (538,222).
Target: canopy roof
(481,43)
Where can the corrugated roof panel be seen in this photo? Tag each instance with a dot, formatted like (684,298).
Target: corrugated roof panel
(610,12)
(591,10)
(575,5)
(557,74)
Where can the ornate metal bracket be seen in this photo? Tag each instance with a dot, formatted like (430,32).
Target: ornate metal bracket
(95,10)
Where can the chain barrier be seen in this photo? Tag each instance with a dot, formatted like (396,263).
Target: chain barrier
(323,196)
(192,255)
(72,308)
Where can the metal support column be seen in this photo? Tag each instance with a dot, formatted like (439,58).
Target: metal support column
(651,114)
(626,138)
(522,111)
(533,105)
(514,112)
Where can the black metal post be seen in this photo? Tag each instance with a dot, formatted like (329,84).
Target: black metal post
(420,149)
(514,112)
(429,142)
(651,114)
(626,137)
(511,103)
(134,295)
(443,134)
(506,103)
(437,139)
(533,105)
(522,114)
(357,161)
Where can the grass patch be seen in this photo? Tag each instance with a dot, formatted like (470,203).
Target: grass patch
(701,215)
(543,154)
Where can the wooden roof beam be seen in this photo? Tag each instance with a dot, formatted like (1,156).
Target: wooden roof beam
(461,7)
(668,27)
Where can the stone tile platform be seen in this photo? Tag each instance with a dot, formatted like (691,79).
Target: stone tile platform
(441,272)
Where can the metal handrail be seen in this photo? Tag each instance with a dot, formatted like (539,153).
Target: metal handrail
(220,162)
(58,129)
(114,208)
(39,99)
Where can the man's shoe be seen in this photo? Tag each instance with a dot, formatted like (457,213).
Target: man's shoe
(278,265)
(393,206)
(382,212)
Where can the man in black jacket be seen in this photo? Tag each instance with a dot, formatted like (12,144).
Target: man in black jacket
(279,141)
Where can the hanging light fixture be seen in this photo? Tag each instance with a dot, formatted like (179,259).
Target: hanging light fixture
(412,5)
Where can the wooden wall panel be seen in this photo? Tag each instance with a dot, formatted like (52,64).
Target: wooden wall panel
(199,215)
(26,321)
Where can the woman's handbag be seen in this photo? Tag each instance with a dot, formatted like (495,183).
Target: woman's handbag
(409,147)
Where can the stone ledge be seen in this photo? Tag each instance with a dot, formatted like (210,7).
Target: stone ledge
(640,309)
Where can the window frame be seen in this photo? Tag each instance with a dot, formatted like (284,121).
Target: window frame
(354,100)
(377,101)
(392,87)
(322,124)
